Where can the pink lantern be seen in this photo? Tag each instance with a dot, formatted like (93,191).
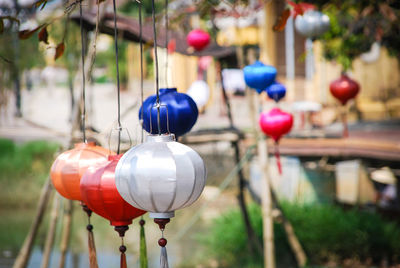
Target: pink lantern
(198,39)
(275,124)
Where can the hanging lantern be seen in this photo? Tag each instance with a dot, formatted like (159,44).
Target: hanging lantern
(200,93)
(276,91)
(275,124)
(100,194)
(259,76)
(198,39)
(344,89)
(312,23)
(178,113)
(160,176)
(69,167)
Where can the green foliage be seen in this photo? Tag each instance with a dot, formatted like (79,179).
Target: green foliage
(330,232)
(327,233)
(106,59)
(226,241)
(18,161)
(18,55)
(23,167)
(131,8)
(356,25)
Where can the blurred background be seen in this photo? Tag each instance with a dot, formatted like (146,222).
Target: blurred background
(338,194)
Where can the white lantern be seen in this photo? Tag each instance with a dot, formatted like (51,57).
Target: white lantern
(200,93)
(160,176)
(312,24)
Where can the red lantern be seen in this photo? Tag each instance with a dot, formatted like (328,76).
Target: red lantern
(100,194)
(344,89)
(275,124)
(198,39)
(69,167)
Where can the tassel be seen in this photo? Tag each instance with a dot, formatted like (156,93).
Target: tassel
(92,247)
(123,264)
(121,229)
(143,248)
(163,255)
(162,242)
(278,158)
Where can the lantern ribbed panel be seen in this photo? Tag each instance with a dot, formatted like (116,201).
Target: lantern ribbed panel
(69,167)
(100,194)
(160,176)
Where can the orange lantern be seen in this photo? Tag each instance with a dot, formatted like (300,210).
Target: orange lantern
(69,167)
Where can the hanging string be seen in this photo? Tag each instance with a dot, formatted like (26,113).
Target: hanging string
(83,117)
(278,157)
(156,66)
(141,66)
(118,84)
(122,249)
(166,43)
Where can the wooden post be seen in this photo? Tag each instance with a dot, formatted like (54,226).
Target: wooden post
(65,237)
(294,243)
(25,252)
(268,228)
(267,35)
(51,232)
(266,204)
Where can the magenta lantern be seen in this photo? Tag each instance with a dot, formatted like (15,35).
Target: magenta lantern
(198,39)
(344,89)
(275,124)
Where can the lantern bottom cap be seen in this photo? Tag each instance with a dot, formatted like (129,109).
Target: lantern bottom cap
(162,215)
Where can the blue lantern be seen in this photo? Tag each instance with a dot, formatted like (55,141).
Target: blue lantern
(276,91)
(182,112)
(259,76)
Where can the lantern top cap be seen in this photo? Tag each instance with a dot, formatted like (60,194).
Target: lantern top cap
(85,144)
(167,90)
(160,138)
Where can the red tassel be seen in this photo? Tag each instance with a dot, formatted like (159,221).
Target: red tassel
(278,158)
(123,260)
(92,248)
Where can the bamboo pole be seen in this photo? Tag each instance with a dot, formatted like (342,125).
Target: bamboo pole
(66,233)
(26,249)
(51,233)
(294,243)
(252,242)
(266,204)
